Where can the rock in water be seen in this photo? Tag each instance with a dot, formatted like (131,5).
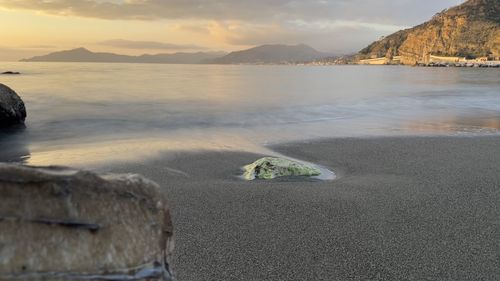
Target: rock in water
(272,167)
(12,109)
(62,224)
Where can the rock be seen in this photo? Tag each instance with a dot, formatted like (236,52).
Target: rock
(272,167)
(60,224)
(12,109)
(470,29)
(11,73)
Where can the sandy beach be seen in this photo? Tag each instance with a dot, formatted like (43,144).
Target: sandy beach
(411,208)
(131,126)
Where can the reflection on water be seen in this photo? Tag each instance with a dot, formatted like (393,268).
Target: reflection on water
(14,146)
(98,151)
(478,123)
(94,113)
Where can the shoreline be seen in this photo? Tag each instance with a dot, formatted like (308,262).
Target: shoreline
(402,208)
(482,65)
(113,151)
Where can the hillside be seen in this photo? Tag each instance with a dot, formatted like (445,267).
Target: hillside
(84,55)
(271,54)
(471,29)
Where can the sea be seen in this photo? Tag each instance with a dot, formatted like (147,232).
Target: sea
(91,114)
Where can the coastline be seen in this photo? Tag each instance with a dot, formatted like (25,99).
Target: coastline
(250,140)
(402,208)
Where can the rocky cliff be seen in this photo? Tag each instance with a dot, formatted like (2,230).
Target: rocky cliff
(471,29)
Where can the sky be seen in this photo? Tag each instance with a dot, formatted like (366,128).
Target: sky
(133,27)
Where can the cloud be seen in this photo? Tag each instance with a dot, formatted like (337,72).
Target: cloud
(43,47)
(151,45)
(17,53)
(393,11)
(198,28)
(338,25)
(338,37)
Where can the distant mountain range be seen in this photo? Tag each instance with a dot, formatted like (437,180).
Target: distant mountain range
(266,54)
(471,29)
(84,55)
(272,54)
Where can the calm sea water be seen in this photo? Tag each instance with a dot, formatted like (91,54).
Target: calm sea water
(83,114)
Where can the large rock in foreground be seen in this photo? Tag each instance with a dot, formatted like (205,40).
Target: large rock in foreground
(62,224)
(12,109)
(272,167)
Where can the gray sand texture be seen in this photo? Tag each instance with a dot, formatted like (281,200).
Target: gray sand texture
(413,208)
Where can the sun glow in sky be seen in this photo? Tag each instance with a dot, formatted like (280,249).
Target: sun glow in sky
(35,27)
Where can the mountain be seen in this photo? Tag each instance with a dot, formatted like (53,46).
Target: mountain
(271,54)
(266,54)
(471,29)
(84,55)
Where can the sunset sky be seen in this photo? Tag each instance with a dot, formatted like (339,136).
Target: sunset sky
(34,27)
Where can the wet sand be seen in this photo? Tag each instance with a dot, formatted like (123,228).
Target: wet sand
(424,208)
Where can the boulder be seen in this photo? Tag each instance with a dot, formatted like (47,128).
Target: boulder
(63,224)
(272,167)
(12,109)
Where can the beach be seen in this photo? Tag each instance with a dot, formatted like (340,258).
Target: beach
(253,140)
(415,151)
(401,208)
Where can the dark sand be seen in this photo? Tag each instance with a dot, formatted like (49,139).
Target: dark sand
(402,209)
